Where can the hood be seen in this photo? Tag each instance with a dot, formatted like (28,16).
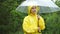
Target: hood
(29,8)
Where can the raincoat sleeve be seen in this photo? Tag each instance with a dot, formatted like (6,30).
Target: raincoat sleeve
(27,27)
(41,23)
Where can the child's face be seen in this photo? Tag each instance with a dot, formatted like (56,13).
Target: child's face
(33,10)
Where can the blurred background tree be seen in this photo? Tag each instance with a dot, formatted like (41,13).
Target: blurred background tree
(11,20)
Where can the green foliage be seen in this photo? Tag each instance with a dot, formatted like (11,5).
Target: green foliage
(52,23)
(9,18)
(58,3)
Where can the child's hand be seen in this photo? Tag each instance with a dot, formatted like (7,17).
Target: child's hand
(39,29)
(38,17)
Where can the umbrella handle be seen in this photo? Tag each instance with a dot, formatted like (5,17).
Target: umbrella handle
(38,24)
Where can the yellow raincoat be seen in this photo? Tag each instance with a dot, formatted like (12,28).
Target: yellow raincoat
(30,23)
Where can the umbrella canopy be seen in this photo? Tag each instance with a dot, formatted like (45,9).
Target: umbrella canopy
(44,5)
